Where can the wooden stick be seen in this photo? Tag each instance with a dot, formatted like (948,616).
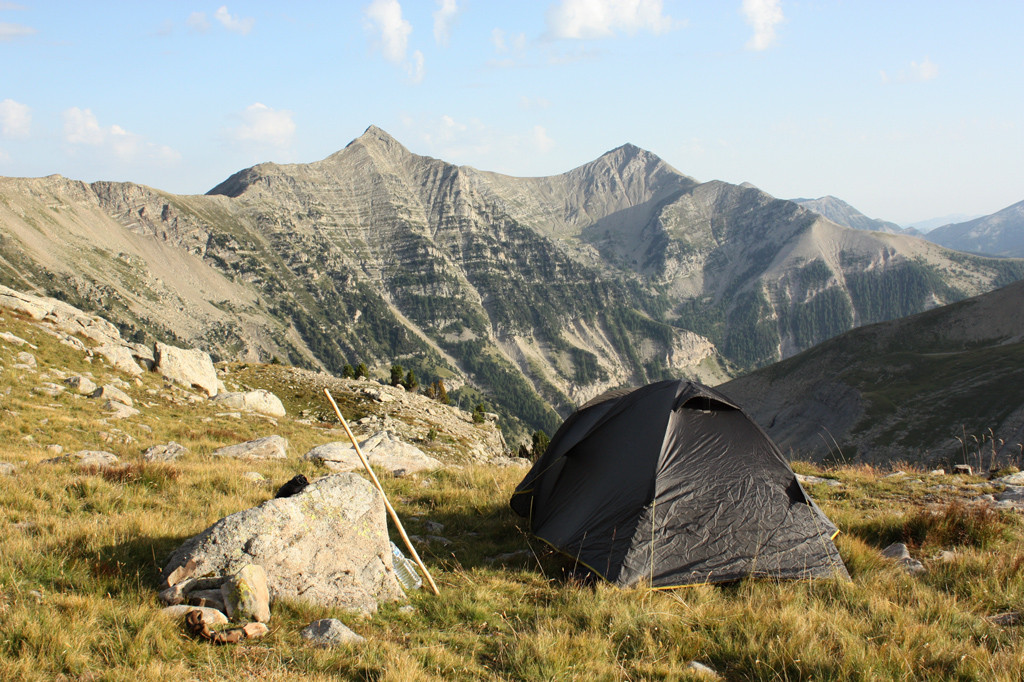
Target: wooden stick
(387,504)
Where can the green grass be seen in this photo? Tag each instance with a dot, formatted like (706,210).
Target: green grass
(80,553)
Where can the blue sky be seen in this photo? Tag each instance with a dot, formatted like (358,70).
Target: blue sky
(907,110)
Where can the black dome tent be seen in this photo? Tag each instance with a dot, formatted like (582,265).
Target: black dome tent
(672,484)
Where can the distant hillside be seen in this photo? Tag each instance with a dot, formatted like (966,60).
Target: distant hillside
(841,213)
(923,226)
(530,294)
(901,390)
(999,234)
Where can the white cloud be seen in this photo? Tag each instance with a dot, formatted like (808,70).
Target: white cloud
(386,17)
(763,16)
(585,19)
(415,67)
(541,140)
(917,72)
(265,126)
(15,119)
(528,103)
(197,21)
(11,6)
(233,23)
(9,32)
(444,16)
(82,128)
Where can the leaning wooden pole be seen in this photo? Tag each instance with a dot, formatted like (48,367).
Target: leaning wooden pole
(387,504)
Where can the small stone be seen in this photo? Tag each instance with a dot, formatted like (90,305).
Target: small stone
(81,385)
(1007,619)
(255,630)
(433,526)
(37,595)
(254,476)
(113,393)
(328,632)
(210,616)
(181,573)
(54,449)
(25,358)
(176,593)
(246,595)
(407,608)
(7,469)
(167,452)
(703,670)
(945,557)
(896,550)
(963,470)
(937,472)
(815,480)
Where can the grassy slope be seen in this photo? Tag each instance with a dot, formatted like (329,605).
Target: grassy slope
(94,541)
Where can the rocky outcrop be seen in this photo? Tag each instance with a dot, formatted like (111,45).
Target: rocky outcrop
(259,401)
(382,450)
(189,367)
(327,545)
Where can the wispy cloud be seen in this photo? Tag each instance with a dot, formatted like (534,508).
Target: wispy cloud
(585,19)
(444,16)
(15,119)
(81,128)
(763,16)
(232,22)
(9,32)
(263,125)
(11,6)
(198,22)
(917,72)
(472,141)
(386,19)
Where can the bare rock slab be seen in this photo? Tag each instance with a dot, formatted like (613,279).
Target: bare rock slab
(328,545)
(328,632)
(86,458)
(268,447)
(190,368)
(259,401)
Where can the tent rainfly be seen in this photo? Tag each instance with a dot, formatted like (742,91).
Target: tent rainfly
(672,484)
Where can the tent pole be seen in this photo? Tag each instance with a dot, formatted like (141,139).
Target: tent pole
(391,510)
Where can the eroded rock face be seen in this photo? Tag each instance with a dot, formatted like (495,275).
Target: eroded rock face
(260,401)
(327,545)
(191,368)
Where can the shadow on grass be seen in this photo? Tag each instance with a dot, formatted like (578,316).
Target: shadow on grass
(134,564)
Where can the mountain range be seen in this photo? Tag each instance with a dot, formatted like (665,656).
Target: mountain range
(533,294)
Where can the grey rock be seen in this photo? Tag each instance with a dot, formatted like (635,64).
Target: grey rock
(209,598)
(814,480)
(963,469)
(260,401)
(167,452)
(81,385)
(120,358)
(896,550)
(48,388)
(7,469)
(190,368)
(937,472)
(327,545)
(383,449)
(246,596)
(1012,493)
(985,498)
(1012,479)
(945,557)
(176,594)
(111,392)
(25,358)
(210,616)
(86,458)
(1008,619)
(433,526)
(268,447)
(119,410)
(328,632)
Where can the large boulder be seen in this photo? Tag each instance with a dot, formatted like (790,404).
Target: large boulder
(383,449)
(260,401)
(120,357)
(328,545)
(268,447)
(191,368)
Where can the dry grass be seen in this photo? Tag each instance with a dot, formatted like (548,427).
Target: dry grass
(81,548)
